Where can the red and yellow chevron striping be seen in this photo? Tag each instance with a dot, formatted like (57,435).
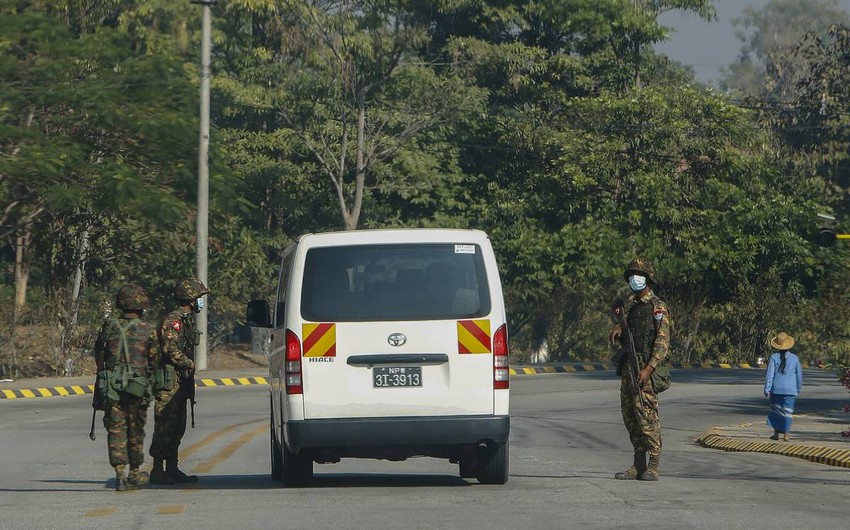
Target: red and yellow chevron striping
(319,340)
(473,336)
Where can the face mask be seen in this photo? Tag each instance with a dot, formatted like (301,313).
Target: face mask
(199,303)
(637,283)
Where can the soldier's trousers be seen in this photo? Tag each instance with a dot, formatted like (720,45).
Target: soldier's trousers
(125,427)
(644,426)
(169,424)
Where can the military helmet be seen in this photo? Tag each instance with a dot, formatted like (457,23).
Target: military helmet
(132,297)
(189,289)
(641,266)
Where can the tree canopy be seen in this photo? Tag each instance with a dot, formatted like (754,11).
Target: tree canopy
(552,125)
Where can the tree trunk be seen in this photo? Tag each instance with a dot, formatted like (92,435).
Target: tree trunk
(22,272)
(82,256)
(353,220)
(539,341)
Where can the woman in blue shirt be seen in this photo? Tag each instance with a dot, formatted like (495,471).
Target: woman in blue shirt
(783,381)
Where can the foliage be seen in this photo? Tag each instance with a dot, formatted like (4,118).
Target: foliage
(550,124)
(764,66)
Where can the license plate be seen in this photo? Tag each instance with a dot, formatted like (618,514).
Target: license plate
(396,376)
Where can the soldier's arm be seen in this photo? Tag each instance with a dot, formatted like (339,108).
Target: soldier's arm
(619,306)
(170,345)
(661,346)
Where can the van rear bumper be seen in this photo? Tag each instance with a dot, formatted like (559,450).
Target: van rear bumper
(419,432)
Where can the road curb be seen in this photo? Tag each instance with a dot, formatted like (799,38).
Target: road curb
(53,391)
(589,367)
(555,368)
(79,390)
(823,455)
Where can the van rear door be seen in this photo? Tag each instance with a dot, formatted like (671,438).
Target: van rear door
(395,330)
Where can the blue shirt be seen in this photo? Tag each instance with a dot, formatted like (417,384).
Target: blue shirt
(789,383)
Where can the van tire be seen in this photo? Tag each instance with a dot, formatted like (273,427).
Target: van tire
(493,464)
(297,469)
(277,464)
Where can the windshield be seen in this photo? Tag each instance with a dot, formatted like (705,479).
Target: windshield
(427,281)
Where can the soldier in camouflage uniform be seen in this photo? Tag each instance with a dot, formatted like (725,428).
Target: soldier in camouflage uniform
(126,414)
(178,337)
(648,317)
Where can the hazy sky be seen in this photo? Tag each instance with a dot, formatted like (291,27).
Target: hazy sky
(708,46)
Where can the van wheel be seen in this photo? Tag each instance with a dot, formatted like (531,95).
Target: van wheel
(493,464)
(297,469)
(277,465)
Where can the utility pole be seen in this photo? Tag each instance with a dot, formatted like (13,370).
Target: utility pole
(202,234)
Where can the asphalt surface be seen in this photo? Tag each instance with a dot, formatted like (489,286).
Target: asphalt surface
(815,436)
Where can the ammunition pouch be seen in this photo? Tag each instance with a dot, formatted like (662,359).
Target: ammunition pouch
(111,384)
(661,379)
(137,386)
(165,376)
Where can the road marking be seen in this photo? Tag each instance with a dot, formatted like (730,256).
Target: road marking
(228,451)
(171,510)
(212,437)
(100,512)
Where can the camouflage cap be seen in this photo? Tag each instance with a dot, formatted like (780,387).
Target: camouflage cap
(132,297)
(641,266)
(189,289)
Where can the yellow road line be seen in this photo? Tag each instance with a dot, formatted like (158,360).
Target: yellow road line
(228,451)
(212,437)
(171,510)
(100,512)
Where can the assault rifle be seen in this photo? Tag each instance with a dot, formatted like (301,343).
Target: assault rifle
(190,380)
(191,338)
(96,405)
(629,356)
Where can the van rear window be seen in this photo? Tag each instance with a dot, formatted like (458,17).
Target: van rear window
(423,281)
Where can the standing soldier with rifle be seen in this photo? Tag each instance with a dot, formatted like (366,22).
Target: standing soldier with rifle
(126,356)
(175,380)
(643,329)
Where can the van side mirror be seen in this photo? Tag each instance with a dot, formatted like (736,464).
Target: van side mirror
(258,314)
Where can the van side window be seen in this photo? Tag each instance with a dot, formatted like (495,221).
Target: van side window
(283,280)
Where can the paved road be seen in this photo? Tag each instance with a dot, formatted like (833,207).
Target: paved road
(567,440)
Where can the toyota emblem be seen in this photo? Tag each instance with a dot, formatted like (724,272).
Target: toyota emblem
(397,339)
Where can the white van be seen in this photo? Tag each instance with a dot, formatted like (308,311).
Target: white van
(388,344)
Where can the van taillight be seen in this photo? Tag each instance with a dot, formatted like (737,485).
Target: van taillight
(501,373)
(293,364)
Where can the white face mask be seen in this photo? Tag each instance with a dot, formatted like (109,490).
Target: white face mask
(637,283)
(199,303)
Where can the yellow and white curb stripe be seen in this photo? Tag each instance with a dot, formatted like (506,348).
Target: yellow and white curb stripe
(830,456)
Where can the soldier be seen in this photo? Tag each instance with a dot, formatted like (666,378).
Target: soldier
(648,318)
(175,380)
(126,355)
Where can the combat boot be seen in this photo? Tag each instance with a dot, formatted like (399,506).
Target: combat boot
(653,470)
(120,479)
(178,476)
(635,470)
(158,475)
(136,479)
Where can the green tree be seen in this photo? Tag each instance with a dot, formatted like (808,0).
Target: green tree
(768,35)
